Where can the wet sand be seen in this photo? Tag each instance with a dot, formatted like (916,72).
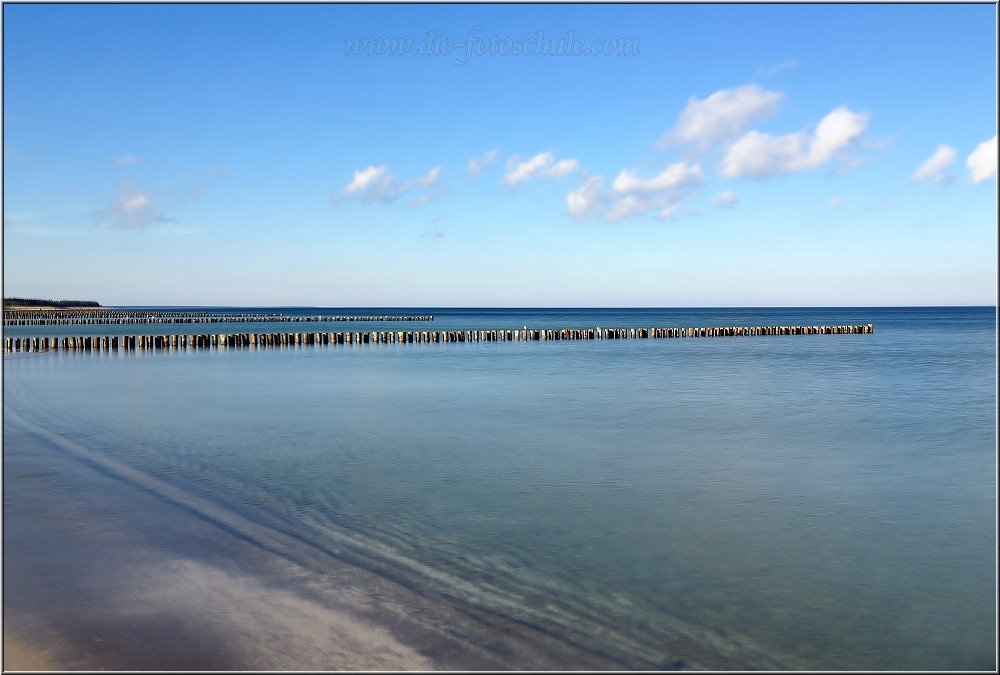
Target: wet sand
(18,656)
(109,576)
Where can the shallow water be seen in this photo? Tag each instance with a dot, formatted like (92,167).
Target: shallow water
(805,502)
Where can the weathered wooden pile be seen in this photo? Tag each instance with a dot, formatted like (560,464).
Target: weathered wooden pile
(214,341)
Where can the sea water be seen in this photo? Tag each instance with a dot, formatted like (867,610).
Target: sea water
(797,502)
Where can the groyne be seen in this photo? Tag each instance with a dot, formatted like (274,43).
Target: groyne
(264,340)
(109,312)
(34,319)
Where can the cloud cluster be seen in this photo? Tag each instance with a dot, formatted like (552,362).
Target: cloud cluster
(542,164)
(722,116)
(716,131)
(761,155)
(719,125)
(981,163)
(631,195)
(663,193)
(675,176)
(378,184)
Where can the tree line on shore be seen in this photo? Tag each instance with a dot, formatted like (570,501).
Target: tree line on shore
(47,304)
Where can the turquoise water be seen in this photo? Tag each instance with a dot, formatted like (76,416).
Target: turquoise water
(799,502)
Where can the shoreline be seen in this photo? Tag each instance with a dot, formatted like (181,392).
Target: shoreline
(208,592)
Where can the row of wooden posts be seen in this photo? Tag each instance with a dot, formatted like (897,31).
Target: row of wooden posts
(203,318)
(99,312)
(145,342)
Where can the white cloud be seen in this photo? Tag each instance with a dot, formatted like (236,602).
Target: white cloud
(365,178)
(378,184)
(373,183)
(586,199)
(542,164)
(562,168)
(128,159)
(935,169)
(423,185)
(676,176)
(726,200)
(518,171)
(429,178)
(982,162)
(722,116)
(834,133)
(133,209)
(631,195)
(477,164)
(835,202)
(759,155)
(628,206)
(590,201)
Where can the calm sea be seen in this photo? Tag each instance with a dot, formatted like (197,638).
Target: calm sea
(801,502)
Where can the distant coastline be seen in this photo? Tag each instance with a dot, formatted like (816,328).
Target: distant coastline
(34,303)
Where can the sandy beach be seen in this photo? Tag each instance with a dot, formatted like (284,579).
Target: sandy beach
(19,656)
(161,609)
(119,574)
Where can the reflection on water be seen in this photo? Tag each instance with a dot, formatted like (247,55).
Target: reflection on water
(821,502)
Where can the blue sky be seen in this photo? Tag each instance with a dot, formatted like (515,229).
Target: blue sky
(739,156)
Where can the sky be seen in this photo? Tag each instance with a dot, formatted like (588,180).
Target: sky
(501,155)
